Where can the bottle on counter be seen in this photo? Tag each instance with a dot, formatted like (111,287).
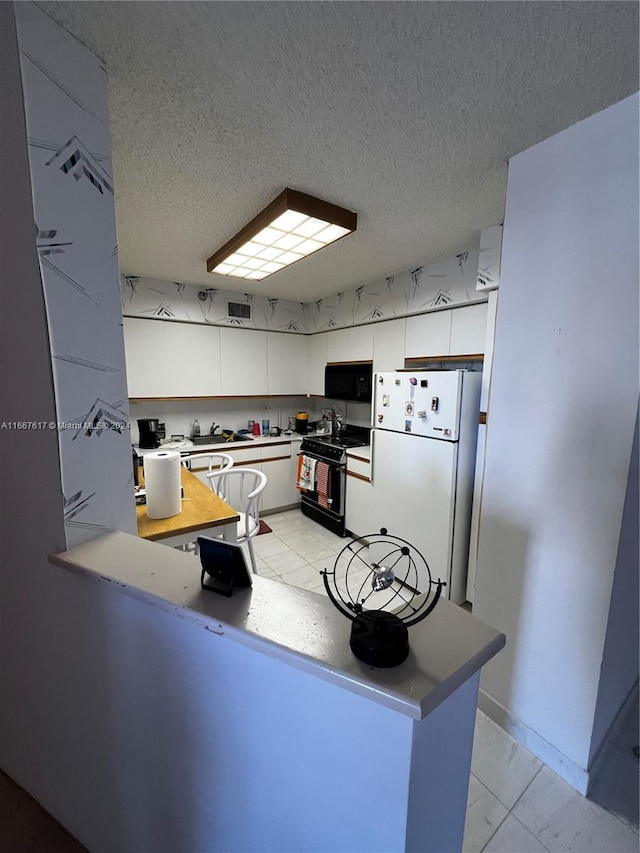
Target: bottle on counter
(196,428)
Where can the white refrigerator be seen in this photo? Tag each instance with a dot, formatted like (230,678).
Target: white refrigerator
(425,426)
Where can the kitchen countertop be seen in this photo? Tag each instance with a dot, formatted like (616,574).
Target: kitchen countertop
(300,628)
(262,441)
(222,447)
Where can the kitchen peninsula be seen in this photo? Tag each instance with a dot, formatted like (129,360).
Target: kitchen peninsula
(247,723)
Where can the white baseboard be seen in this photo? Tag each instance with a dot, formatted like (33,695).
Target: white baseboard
(578,777)
(565,767)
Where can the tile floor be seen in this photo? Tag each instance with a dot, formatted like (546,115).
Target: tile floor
(516,804)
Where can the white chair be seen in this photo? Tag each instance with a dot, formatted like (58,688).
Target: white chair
(244,488)
(218,463)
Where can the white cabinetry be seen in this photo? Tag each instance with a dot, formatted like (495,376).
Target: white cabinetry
(281,484)
(456,331)
(168,359)
(279,468)
(277,461)
(388,345)
(360,343)
(358,497)
(288,363)
(428,334)
(352,344)
(338,345)
(468,329)
(243,362)
(317,362)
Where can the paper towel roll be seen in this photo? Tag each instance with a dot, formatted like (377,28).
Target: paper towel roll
(162,483)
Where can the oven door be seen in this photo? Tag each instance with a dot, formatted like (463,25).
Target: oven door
(325,503)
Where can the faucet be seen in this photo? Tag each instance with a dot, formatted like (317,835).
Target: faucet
(214,427)
(337,424)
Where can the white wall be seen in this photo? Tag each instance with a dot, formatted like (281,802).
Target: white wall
(178,415)
(65,96)
(563,403)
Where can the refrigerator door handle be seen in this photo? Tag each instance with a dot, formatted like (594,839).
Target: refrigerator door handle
(372,464)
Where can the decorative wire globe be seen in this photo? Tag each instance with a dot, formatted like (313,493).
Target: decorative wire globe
(383,585)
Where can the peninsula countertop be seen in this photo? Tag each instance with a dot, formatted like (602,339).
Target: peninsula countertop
(298,627)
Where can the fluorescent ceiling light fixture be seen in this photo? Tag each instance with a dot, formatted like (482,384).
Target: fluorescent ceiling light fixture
(292,227)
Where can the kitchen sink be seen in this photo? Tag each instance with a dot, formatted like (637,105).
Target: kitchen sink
(218,439)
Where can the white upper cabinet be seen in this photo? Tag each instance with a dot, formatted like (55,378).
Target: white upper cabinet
(360,343)
(243,362)
(166,359)
(351,344)
(317,362)
(468,329)
(338,345)
(388,345)
(428,334)
(172,359)
(288,363)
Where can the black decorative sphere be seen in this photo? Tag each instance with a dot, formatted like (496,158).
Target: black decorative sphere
(383,585)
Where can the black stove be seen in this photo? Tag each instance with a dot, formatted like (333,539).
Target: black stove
(334,449)
(324,500)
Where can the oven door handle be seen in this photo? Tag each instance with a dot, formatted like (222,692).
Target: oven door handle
(322,459)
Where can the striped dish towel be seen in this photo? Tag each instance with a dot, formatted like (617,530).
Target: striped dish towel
(322,484)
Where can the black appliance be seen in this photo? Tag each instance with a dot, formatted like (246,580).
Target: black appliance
(326,505)
(348,381)
(149,436)
(302,423)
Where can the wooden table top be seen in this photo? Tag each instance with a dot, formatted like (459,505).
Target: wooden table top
(201,508)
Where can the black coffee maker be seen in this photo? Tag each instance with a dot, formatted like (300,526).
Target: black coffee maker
(149,437)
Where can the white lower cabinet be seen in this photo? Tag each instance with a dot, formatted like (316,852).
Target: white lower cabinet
(359,495)
(277,461)
(250,457)
(281,488)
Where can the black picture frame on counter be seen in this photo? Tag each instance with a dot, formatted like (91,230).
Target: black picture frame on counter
(224,567)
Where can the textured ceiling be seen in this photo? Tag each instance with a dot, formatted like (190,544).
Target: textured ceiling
(405,112)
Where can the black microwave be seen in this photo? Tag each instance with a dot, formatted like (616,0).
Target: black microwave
(348,382)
